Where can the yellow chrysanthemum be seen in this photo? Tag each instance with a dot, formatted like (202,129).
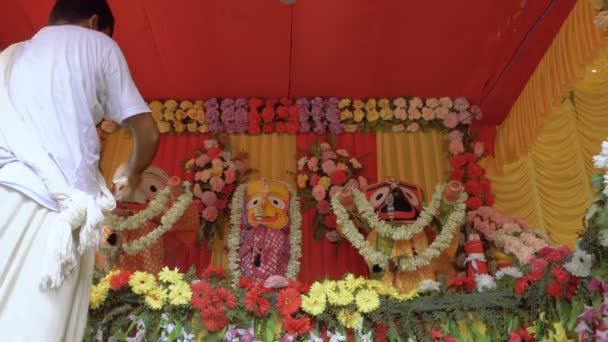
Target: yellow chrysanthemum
(340,297)
(373,115)
(163,127)
(359,115)
(171,105)
(386,114)
(98,295)
(384,103)
(179,293)
(344,103)
(156,106)
(316,289)
(370,105)
(346,114)
(180,115)
(350,128)
(358,104)
(352,283)
(367,301)
(155,298)
(204,128)
(142,282)
(185,105)
(191,113)
(169,115)
(349,319)
(314,305)
(158,116)
(179,127)
(170,276)
(325,182)
(329,285)
(402,297)
(192,127)
(199,104)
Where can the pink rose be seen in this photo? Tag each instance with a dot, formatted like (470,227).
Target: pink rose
(230,176)
(210,214)
(202,160)
(363,183)
(197,191)
(329,166)
(428,114)
(342,152)
(314,181)
(318,192)
(451,120)
(334,190)
(217,184)
(456,147)
(313,164)
(400,114)
(478,149)
(329,155)
(399,102)
(276,282)
(342,166)
(209,198)
(198,176)
(323,207)
(465,117)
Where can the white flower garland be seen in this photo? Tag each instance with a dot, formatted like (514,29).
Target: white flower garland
(167,221)
(374,257)
(155,207)
(401,231)
(234,236)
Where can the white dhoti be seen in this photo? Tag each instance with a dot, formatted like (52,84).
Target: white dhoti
(27,312)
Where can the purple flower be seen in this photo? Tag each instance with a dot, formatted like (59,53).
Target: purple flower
(603,309)
(594,284)
(588,314)
(213,115)
(601,336)
(211,104)
(303,106)
(582,328)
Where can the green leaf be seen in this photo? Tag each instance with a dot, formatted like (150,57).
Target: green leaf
(591,212)
(269,330)
(576,310)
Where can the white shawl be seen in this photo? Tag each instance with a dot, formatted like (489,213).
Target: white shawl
(78,210)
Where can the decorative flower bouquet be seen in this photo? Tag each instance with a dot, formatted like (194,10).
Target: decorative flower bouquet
(319,115)
(174,117)
(216,175)
(323,172)
(273,116)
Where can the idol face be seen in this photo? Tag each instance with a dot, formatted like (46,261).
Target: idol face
(395,201)
(267,204)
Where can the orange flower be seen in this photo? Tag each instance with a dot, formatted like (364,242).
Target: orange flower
(288,301)
(255,303)
(174,181)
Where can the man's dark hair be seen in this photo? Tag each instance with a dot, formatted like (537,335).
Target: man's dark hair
(73,11)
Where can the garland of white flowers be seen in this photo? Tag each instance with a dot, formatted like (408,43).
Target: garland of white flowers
(234,236)
(167,221)
(374,257)
(133,222)
(401,231)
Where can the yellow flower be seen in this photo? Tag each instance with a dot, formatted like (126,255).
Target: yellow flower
(384,104)
(170,276)
(217,170)
(142,282)
(200,116)
(386,114)
(340,297)
(156,106)
(192,127)
(350,128)
(402,297)
(349,319)
(179,293)
(191,113)
(559,334)
(344,103)
(325,182)
(330,285)
(179,127)
(346,114)
(359,115)
(203,128)
(370,105)
(185,105)
(358,104)
(169,116)
(302,179)
(198,105)
(158,116)
(163,127)
(180,115)
(351,283)
(314,305)
(171,105)
(98,295)
(373,115)
(155,298)
(367,301)
(316,289)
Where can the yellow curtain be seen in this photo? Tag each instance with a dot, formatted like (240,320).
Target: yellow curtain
(575,46)
(419,158)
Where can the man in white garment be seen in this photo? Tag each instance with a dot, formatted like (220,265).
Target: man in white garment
(62,82)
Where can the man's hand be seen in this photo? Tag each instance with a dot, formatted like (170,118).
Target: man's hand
(125,180)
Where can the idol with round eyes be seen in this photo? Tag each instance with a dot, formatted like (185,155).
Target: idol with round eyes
(267,204)
(395,201)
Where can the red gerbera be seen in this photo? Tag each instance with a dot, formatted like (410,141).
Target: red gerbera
(119,280)
(300,326)
(214,319)
(338,177)
(212,271)
(226,298)
(255,303)
(245,283)
(300,287)
(200,295)
(288,301)
(560,275)
(521,285)
(555,290)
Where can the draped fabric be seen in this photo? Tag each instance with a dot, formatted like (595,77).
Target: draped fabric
(575,46)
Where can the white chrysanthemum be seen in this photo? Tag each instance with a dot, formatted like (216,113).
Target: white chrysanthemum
(580,265)
(428,286)
(600,161)
(513,272)
(485,282)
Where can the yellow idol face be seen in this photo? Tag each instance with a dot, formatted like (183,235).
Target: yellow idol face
(267,204)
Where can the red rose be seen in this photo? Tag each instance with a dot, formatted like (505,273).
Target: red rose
(314,180)
(473,187)
(457,174)
(281,127)
(555,290)
(286,101)
(253,116)
(255,103)
(458,161)
(330,221)
(271,102)
(489,200)
(338,177)
(470,157)
(254,128)
(268,114)
(300,326)
(486,186)
(475,171)
(214,152)
(294,112)
(268,128)
(293,127)
(535,276)
(221,204)
(474,203)
(282,112)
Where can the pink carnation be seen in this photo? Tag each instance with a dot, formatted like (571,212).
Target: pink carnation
(342,167)
(334,190)
(400,114)
(313,164)
(314,181)
(318,192)
(205,175)
(455,135)
(210,214)
(209,198)
(329,155)
(217,184)
(230,176)
(414,114)
(456,147)
(202,160)
(217,163)
(465,117)
(329,166)
(451,120)
(198,176)
(342,152)
(323,207)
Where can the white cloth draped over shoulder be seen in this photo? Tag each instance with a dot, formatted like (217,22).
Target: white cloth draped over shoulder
(80,213)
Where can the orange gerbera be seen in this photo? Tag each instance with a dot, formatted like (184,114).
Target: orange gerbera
(288,301)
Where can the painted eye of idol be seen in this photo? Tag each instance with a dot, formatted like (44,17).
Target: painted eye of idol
(411,196)
(277,202)
(377,198)
(254,202)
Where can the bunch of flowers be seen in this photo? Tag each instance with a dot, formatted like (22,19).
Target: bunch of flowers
(319,115)
(592,323)
(226,115)
(273,116)
(322,173)
(216,175)
(212,300)
(518,241)
(174,117)
(466,169)
(486,220)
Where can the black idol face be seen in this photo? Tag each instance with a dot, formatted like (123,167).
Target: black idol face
(395,201)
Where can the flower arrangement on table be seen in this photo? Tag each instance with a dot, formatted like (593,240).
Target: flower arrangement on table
(183,117)
(323,172)
(217,173)
(273,116)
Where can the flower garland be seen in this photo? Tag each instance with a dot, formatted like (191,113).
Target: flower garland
(373,256)
(398,231)
(280,116)
(226,115)
(174,117)
(234,239)
(319,115)
(133,222)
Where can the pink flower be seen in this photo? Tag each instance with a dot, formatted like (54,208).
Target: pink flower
(314,181)
(451,120)
(456,147)
(455,135)
(398,128)
(217,184)
(329,155)
(210,214)
(342,152)
(217,163)
(478,149)
(362,183)
(400,114)
(276,282)
(198,176)
(342,166)
(318,192)
(461,104)
(400,102)
(355,163)
(197,191)
(202,160)
(413,127)
(465,117)
(230,176)
(328,166)
(240,165)
(313,164)
(209,198)
(414,114)
(323,207)
(205,175)
(538,265)
(333,236)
